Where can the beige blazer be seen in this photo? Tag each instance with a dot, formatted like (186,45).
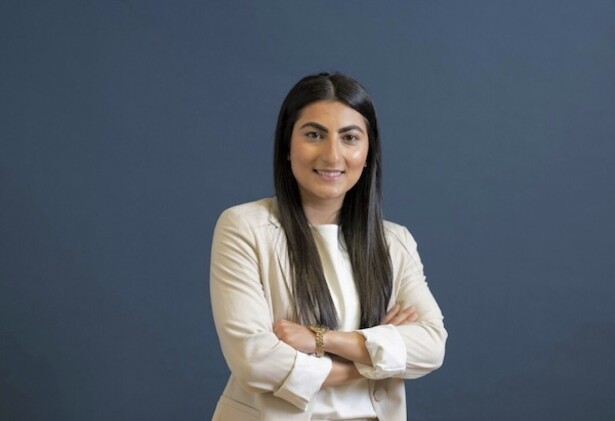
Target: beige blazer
(251,288)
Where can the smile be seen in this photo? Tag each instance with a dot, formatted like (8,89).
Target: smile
(329,173)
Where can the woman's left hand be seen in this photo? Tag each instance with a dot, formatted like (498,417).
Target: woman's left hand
(398,316)
(298,336)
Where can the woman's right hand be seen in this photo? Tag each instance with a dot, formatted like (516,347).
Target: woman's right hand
(397,316)
(341,372)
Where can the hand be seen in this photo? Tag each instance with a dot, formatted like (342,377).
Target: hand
(397,316)
(298,336)
(341,372)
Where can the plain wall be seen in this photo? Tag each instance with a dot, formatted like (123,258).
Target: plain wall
(126,127)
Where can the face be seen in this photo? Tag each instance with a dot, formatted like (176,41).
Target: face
(328,151)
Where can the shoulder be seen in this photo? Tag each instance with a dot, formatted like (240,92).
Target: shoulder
(398,236)
(402,246)
(401,243)
(258,213)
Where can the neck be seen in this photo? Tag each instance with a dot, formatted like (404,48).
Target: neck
(320,214)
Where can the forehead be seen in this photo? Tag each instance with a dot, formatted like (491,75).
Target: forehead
(334,113)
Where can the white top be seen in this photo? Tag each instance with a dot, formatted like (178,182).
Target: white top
(351,400)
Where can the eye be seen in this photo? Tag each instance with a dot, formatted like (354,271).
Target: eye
(349,137)
(313,135)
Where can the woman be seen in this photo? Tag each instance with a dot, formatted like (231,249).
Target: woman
(321,307)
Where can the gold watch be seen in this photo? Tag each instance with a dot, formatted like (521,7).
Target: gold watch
(319,332)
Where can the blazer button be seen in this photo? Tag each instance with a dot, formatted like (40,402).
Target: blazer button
(379,394)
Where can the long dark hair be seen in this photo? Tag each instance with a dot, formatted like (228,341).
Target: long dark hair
(360,217)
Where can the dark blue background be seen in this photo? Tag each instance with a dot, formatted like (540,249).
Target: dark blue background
(127,126)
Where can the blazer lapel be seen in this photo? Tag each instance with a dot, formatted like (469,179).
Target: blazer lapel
(281,248)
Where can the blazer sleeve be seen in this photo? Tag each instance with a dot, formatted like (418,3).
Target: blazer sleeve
(414,350)
(244,322)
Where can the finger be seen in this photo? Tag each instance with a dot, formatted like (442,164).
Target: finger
(406,316)
(279,327)
(390,314)
(411,315)
(398,320)
(387,317)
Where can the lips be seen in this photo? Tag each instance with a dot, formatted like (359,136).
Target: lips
(329,173)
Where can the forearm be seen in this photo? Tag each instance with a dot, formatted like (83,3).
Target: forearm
(351,345)
(342,371)
(347,345)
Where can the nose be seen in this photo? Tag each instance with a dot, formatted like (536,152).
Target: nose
(330,152)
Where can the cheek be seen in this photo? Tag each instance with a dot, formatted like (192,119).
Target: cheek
(299,162)
(295,152)
(359,158)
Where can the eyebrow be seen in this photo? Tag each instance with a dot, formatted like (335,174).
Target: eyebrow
(325,130)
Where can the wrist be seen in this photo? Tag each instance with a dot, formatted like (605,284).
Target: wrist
(319,337)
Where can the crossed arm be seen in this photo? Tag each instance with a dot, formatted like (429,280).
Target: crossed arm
(345,348)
